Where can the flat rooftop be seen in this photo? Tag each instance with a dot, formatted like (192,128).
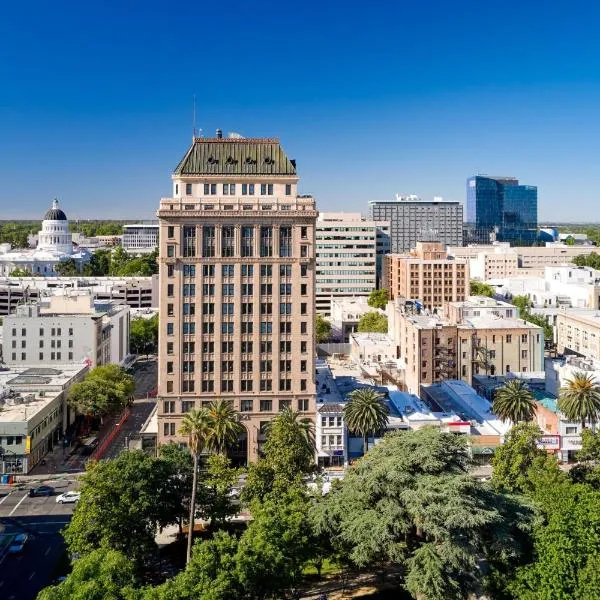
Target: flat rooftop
(494,322)
(42,378)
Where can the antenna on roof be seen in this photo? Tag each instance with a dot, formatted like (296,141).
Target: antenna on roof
(194,118)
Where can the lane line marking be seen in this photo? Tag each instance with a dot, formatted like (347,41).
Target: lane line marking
(32,576)
(48,551)
(5,497)
(17,506)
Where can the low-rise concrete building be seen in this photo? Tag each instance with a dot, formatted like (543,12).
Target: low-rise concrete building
(136,292)
(66,329)
(578,332)
(345,315)
(34,415)
(140,238)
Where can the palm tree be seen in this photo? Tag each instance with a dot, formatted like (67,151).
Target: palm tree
(579,400)
(196,425)
(366,413)
(514,402)
(224,426)
(303,425)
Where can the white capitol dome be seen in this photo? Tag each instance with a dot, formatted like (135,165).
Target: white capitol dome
(55,245)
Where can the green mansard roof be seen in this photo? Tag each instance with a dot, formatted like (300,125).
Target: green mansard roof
(234,156)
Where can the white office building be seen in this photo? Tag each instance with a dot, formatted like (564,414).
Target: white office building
(140,238)
(346,258)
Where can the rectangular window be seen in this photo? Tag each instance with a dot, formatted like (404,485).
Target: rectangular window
(208,328)
(208,241)
(285,327)
(247,289)
(247,241)
(266,241)
(303,327)
(247,270)
(208,270)
(304,232)
(227,270)
(266,366)
(266,189)
(169,328)
(170,232)
(210,189)
(266,308)
(266,289)
(288,189)
(227,289)
(187,405)
(169,347)
(227,328)
(188,189)
(246,385)
(169,406)
(303,404)
(247,327)
(303,347)
(227,308)
(170,290)
(170,250)
(247,308)
(285,241)
(246,405)
(285,270)
(266,405)
(285,308)
(266,385)
(266,327)
(227,241)
(208,385)
(246,347)
(303,306)
(266,270)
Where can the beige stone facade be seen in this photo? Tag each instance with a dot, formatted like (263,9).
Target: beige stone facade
(578,331)
(237,288)
(433,348)
(427,275)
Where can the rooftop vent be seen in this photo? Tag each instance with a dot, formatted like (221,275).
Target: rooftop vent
(219,134)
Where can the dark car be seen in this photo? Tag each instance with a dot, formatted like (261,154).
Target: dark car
(42,490)
(18,544)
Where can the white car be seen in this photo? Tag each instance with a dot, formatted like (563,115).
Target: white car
(68,497)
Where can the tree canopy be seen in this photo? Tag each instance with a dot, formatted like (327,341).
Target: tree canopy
(122,502)
(378,298)
(366,413)
(477,288)
(322,329)
(579,399)
(373,322)
(100,575)
(410,501)
(104,389)
(119,263)
(514,402)
(587,260)
(143,335)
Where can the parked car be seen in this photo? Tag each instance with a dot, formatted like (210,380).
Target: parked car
(18,544)
(42,490)
(68,497)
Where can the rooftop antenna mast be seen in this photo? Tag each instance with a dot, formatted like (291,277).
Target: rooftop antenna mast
(194,119)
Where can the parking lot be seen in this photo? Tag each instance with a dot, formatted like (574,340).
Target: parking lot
(22,575)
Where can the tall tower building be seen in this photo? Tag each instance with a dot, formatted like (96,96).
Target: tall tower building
(499,209)
(237,288)
(413,220)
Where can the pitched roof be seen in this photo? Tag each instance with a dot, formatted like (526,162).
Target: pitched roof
(233,156)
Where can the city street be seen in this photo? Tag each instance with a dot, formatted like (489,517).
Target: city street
(23,575)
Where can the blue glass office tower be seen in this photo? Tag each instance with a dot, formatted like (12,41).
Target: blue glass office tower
(498,208)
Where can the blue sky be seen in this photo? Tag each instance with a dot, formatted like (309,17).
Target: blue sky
(370,98)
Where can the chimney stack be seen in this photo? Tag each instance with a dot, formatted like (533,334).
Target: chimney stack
(219,134)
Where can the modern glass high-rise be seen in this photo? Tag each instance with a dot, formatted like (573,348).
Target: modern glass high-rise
(499,208)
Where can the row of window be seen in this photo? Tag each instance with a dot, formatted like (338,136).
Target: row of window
(53,356)
(246,385)
(228,289)
(264,405)
(11,440)
(228,308)
(229,189)
(189,328)
(229,270)
(246,366)
(246,347)
(53,343)
(53,331)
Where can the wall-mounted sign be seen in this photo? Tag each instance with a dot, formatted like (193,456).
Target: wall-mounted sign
(549,442)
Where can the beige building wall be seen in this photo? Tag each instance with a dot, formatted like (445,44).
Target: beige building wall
(237,287)
(428,275)
(579,331)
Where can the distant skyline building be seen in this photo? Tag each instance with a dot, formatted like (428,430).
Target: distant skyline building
(500,209)
(140,238)
(54,246)
(415,220)
(346,258)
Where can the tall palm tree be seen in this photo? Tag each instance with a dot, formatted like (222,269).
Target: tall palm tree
(579,400)
(224,426)
(366,413)
(514,402)
(196,425)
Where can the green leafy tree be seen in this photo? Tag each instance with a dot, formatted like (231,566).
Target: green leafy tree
(322,329)
(181,466)
(195,425)
(218,482)
(588,260)
(366,413)
(477,288)
(579,400)
(411,502)
(514,458)
(143,335)
(378,298)
(67,268)
(99,575)
(18,272)
(225,429)
(122,502)
(277,544)
(566,547)
(99,265)
(104,389)
(514,402)
(373,322)
(523,303)
(588,468)
(210,575)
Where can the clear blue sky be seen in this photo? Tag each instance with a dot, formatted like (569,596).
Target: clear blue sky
(371,98)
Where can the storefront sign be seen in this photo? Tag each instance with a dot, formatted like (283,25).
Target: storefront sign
(571,442)
(338,453)
(549,442)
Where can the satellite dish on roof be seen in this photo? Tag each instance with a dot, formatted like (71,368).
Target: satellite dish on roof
(233,135)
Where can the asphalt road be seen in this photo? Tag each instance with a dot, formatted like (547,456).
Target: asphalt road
(23,576)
